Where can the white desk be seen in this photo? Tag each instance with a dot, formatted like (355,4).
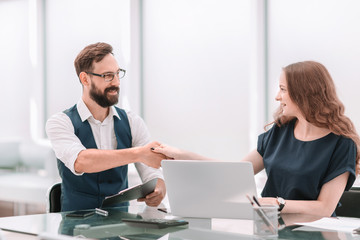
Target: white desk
(112,227)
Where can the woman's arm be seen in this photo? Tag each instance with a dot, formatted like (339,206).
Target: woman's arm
(176,153)
(256,159)
(326,203)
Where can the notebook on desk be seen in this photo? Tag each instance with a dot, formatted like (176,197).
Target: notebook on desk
(207,189)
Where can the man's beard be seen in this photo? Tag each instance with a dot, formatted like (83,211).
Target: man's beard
(101,98)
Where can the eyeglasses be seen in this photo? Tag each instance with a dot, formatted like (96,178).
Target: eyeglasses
(108,77)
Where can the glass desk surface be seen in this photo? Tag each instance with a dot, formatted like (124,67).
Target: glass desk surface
(111,227)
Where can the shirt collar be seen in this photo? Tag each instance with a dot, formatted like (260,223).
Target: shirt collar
(85,113)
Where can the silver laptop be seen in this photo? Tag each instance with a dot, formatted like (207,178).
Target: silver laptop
(207,189)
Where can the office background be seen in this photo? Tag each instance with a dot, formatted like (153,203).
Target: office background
(202,73)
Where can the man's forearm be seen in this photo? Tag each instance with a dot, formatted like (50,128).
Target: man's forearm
(97,160)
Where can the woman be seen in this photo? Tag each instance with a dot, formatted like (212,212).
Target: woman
(311,152)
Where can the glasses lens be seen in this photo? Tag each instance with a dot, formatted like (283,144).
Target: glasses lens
(109,77)
(121,74)
(118,74)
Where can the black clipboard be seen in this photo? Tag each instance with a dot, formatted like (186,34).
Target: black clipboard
(136,192)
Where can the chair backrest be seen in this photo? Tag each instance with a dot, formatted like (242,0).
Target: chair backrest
(349,204)
(54,195)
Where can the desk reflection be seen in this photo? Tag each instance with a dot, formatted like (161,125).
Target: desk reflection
(112,227)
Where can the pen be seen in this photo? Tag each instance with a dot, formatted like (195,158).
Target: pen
(101,212)
(162,210)
(256,201)
(262,214)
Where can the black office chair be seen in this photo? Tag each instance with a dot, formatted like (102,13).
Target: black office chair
(54,195)
(349,204)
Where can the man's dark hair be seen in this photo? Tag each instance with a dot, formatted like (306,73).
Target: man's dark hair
(91,53)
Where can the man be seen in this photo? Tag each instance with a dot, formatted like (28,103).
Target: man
(94,141)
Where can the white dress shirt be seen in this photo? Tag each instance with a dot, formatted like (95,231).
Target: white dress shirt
(67,145)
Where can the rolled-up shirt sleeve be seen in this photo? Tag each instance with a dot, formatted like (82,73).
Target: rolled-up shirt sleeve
(65,143)
(140,137)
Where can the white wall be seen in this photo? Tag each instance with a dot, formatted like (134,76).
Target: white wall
(203,84)
(322,30)
(72,25)
(197,73)
(16,70)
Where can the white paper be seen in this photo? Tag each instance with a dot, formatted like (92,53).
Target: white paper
(341,224)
